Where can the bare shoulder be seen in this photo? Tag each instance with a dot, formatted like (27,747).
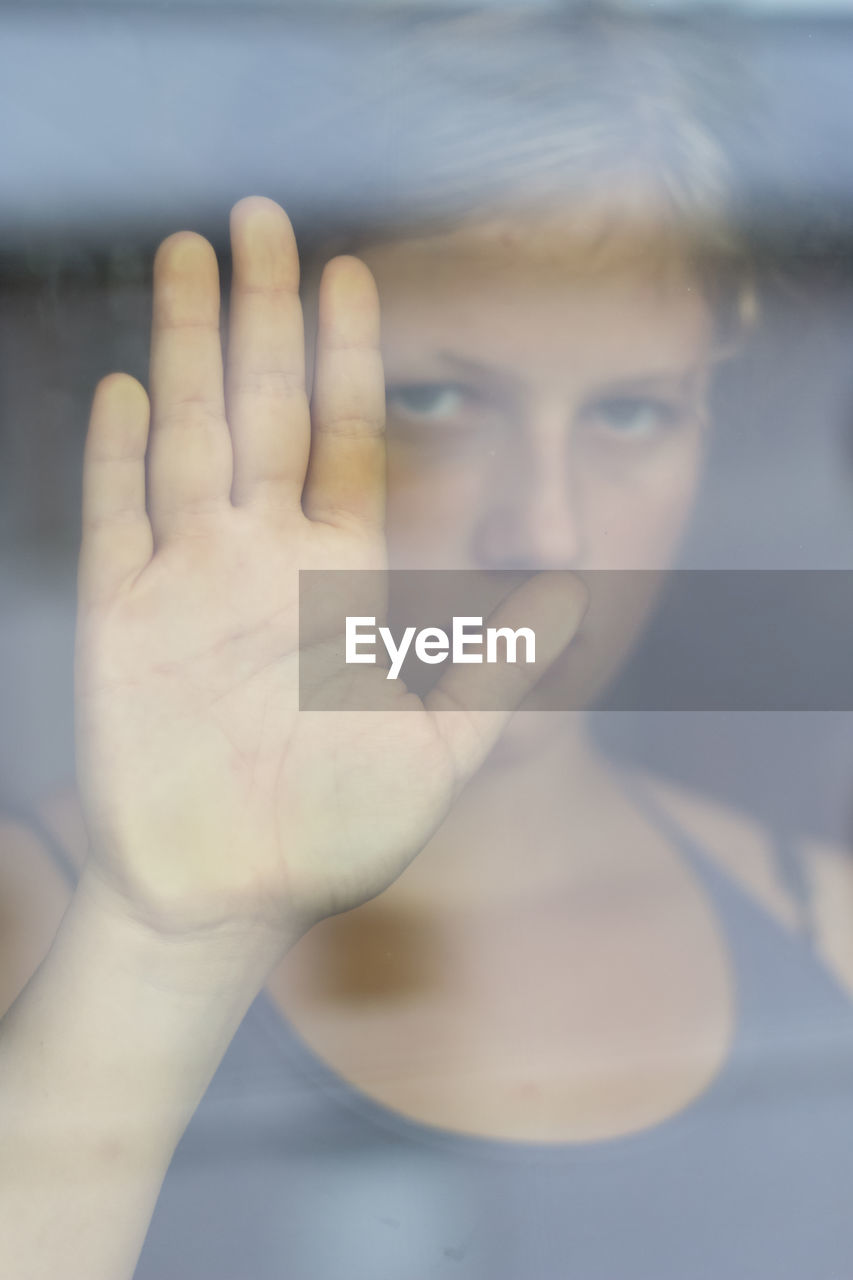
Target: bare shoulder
(33,897)
(740,844)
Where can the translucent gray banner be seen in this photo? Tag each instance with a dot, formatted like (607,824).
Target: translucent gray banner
(684,640)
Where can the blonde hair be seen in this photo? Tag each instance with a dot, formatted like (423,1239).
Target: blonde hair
(557,116)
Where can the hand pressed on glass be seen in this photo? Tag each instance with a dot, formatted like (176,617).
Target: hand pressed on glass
(211,800)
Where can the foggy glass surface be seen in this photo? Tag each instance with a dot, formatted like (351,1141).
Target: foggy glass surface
(368,124)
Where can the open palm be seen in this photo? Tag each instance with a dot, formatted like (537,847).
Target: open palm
(210,796)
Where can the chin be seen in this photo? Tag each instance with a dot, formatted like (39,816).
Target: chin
(529,731)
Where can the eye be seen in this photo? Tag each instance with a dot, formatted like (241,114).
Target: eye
(429,401)
(635,417)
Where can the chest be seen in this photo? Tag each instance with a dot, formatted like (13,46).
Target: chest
(564,1017)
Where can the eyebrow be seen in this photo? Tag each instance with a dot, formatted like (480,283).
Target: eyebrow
(668,380)
(663,379)
(475,368)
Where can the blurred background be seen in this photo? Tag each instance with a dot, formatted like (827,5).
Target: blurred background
(122,122)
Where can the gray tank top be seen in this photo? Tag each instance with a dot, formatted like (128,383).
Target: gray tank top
(287,1171)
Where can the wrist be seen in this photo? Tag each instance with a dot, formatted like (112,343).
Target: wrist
(227,961)
(116,1037)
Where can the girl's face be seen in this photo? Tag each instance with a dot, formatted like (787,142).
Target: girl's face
(546,410)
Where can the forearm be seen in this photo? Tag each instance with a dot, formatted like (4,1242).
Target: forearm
(103,1060)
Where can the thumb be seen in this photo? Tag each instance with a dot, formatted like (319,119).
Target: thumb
(472,704)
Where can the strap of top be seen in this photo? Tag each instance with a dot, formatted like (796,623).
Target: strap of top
(785,855)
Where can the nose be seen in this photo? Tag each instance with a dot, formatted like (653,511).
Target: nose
(530,517)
